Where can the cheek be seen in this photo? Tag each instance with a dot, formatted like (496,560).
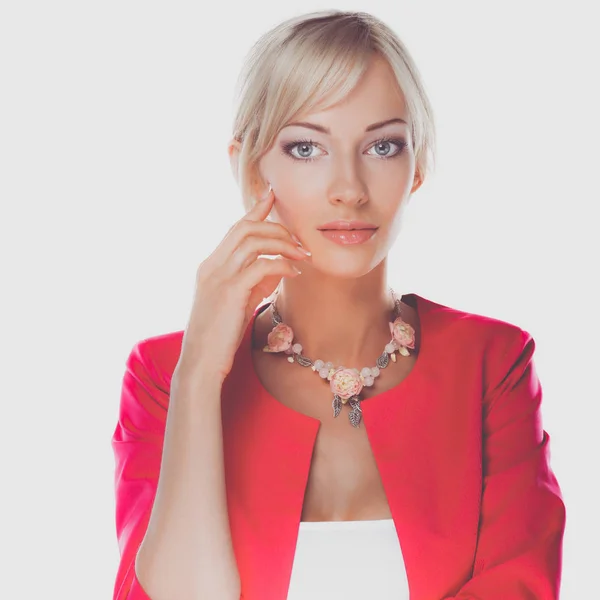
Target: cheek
(394,191)
(287,211)
(293,204)
(394,220)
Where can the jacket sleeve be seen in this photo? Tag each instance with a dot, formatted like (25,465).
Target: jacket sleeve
(137,445)
(522,521)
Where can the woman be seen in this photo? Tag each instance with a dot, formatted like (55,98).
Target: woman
(337,440)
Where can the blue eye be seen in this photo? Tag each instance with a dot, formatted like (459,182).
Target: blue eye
(305,147)
(385,143)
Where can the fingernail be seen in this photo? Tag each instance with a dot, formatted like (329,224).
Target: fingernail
(296,240)
(267,194)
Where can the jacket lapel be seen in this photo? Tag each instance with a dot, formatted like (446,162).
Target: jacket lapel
(418,434)
(425,435)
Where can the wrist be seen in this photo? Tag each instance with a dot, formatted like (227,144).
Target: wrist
(194,384)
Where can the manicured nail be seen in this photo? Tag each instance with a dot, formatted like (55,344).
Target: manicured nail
(268,192)
(296,240)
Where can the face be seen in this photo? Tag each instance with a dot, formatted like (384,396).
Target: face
(343,168)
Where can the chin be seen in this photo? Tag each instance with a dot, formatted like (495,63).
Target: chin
(345,263)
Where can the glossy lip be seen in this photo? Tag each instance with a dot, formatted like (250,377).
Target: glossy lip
(346,237)
(346,225)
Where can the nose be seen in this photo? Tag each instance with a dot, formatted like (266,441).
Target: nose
(347,186)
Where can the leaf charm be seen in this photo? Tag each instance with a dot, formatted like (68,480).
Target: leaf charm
(354,417)
(303,360)
(355,403)
(383,360)
(356,412)
(337,405)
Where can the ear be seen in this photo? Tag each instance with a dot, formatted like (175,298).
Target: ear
(417,182)
(233,149)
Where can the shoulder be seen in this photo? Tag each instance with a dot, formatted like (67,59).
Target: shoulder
(478,347)
(475,339)
(157,356)
(146,387)
(452,321)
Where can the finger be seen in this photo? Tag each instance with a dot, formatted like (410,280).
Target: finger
(244,229)
(266,267)
(263,290)
(257,214)
(254,246)
(266,229)
(260,211)
(260,206)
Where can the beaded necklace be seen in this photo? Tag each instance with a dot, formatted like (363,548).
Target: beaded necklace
(345,383)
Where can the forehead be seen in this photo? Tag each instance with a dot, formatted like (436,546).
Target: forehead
(376,97)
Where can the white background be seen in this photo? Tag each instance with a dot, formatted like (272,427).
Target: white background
(115,184)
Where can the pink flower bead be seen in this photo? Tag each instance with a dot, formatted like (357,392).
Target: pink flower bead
(280,338)
(346,383)
(402,333)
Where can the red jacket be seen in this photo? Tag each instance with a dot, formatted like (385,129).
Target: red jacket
(459,444)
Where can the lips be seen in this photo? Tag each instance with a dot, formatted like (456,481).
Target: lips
(347,226)
(347,237)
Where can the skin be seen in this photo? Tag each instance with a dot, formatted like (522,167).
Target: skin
(339,307)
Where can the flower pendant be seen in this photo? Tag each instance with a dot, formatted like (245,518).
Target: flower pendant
(346,385)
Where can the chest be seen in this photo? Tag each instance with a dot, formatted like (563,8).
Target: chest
(344,483)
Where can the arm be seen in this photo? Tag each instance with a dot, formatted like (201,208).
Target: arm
(519,549)
(171,513)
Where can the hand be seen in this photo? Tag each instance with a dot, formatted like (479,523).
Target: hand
(230,284)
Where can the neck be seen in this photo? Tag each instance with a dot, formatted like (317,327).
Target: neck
(345,321)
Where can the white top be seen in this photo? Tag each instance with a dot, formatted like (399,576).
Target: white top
(349,560)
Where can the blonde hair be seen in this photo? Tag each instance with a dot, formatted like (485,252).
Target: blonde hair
(312,59)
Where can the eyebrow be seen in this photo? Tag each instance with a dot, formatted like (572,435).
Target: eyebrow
(322,129)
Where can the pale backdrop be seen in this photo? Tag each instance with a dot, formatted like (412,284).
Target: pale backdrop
(115,184)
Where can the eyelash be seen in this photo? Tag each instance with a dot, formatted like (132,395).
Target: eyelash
(288,147)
